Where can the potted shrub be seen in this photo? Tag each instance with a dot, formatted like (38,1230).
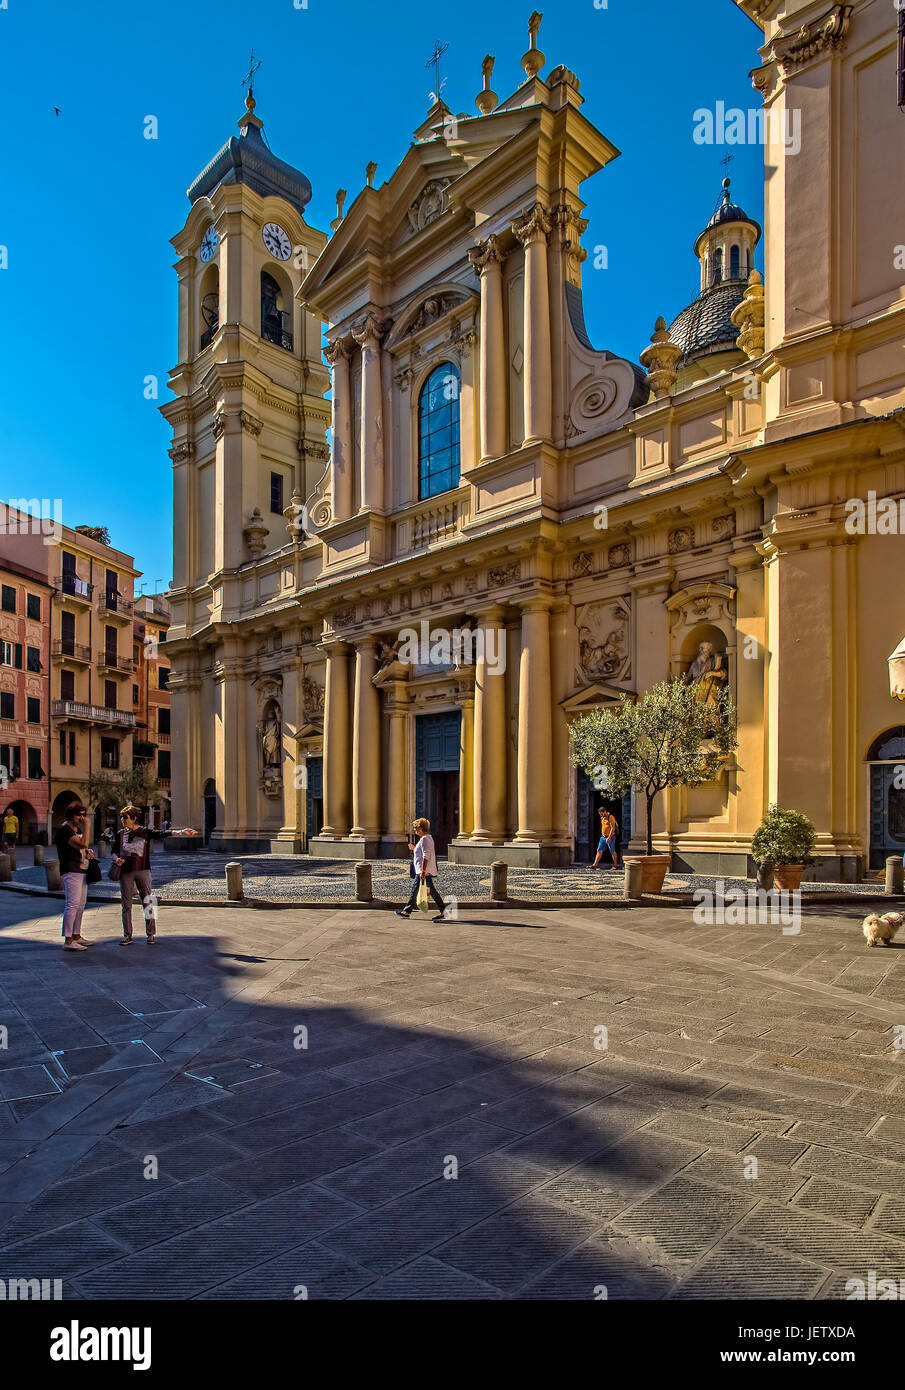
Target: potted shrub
(786,840)
(670,737)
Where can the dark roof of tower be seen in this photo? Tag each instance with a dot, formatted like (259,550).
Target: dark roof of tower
(706,325)
(248,159)
(727,211)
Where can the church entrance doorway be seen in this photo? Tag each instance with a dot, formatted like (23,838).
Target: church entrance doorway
(437,774)
(210,810)
(314,800)
(589,801)
(887,796)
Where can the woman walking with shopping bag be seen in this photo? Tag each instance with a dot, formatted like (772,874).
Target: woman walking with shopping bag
(132,866)
(425,868)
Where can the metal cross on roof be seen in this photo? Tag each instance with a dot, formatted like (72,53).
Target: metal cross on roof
(248,79)
(434,61)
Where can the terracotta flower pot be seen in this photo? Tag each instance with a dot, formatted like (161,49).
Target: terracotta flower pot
(654,870)
(788,877)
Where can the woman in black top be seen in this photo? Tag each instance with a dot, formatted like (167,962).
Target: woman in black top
(71,841)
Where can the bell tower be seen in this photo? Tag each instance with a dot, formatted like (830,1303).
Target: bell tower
(250,420)
(249,424)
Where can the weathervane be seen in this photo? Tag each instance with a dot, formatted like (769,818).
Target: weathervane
(248,79)
(434,62)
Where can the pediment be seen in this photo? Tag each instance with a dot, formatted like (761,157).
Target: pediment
(429,308)
(593,696)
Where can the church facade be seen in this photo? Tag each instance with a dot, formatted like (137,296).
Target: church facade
(509,526)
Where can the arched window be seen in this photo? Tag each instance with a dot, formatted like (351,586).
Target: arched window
(717,266)
(438,431)
(210,305)
(734,263)
(276,321)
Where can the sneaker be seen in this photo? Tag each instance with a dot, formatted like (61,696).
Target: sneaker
(401,913)
(440,917)
(74,945)
(126,941)
(152,940)
(83,941)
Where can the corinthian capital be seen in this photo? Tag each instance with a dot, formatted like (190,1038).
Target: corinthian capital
(338,348)
(369,330)
(534,226)
(486,254)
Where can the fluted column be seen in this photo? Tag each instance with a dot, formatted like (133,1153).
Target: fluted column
(337,354)
(490,729)
(532,231)
(366,782)
(487,259)
(535,723)
(337,750)
(368,335)
(466,769)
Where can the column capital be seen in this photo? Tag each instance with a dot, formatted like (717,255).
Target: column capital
(491,613)
(487,254)
(369,330)
(535,603)
(338,349)
(533,227)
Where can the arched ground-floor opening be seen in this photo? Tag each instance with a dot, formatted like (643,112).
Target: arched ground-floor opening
(886,760)
(27,817)
(210,809)
(589,802)
(61,802)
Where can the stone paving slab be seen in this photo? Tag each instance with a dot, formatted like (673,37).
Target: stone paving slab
(451,1127)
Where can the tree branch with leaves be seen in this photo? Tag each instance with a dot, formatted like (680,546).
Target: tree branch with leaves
(667,738)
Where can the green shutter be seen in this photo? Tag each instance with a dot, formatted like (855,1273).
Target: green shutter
(18,656)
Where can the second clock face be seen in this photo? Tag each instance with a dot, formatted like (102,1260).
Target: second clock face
(209,244)
(276,241)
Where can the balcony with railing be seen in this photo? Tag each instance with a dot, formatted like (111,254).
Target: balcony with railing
(113,605)
(92,714)
(70,586)
(276,327)
(163,740)
(112,661)
(66,649)
(430,523)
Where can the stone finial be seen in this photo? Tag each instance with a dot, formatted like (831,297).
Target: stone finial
(659,360)
(340,200)
(486,100)
(533,60)
(370,171)
(748,317)
(296,516)
(256,533)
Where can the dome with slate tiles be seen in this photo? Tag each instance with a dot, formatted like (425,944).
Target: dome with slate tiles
(248,159)
(725,249)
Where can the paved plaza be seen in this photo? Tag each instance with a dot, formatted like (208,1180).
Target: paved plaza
(341,1104)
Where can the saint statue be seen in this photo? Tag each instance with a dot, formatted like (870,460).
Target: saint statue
(709,674)
(271,737)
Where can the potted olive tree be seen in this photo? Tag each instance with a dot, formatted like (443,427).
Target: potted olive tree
(670,737)
(785,841)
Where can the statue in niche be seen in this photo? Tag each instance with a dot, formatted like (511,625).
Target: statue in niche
(272,736)
(708,672)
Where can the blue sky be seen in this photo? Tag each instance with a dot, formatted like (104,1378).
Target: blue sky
(88,301)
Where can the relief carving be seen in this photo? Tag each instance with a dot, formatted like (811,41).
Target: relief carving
(603,641)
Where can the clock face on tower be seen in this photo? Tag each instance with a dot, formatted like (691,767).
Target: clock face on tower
(276,241)
(209,244)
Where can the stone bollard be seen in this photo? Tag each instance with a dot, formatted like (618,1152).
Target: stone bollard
(39,854)
(6,868)
(363,890)
(54,881)
(634,877)
(499,875)
(234,882)
(12,857)
(894,875)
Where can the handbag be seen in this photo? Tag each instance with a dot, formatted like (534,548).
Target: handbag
(422,902)
(114,871)
(93,874)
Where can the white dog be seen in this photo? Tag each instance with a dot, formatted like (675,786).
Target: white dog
(879,931)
